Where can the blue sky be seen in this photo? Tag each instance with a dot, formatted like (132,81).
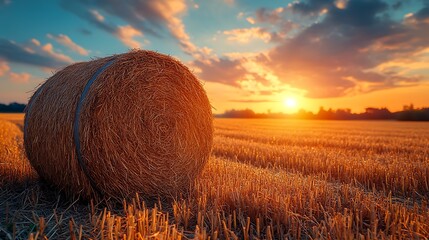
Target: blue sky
(248,54)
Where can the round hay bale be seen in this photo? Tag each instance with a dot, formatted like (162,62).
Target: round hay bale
(135,122)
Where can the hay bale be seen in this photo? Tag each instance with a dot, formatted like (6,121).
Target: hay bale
(144,125)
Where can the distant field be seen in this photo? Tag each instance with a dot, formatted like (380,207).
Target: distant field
(266,179)
(17,118)
(12,116)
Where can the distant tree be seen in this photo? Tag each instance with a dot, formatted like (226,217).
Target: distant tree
(411,114)
(246,113)
(371,113)
(408,107)
(323,114)
(12,107)
(377,113)
(302,114)
(343,114)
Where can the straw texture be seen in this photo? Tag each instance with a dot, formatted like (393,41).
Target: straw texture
(145,126)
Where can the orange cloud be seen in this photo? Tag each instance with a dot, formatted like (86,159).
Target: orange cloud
(143,17)
(4,68)
(250,20)
(12,76)
(245,35)
(341,4)
(19,77)
(49,50)
(171,12)
(35,42)
(67,42)
(126,34)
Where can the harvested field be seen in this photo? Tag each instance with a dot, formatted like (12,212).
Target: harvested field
(266,179)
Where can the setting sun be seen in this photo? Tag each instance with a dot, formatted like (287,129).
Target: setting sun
(290,103)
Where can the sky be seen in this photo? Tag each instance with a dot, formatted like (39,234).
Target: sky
(277,56)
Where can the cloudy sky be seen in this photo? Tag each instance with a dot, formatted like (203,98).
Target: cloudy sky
(265,55)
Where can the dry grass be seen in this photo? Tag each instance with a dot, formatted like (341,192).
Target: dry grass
(388,156)
(14,118)
(266,180)
(14,166)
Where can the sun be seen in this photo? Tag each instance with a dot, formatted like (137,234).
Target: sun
(290,103)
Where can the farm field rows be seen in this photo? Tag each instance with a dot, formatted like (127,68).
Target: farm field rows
(266,179)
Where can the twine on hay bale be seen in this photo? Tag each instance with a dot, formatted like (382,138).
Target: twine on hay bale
(134,122)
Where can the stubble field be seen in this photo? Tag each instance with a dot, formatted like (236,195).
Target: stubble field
(266,179)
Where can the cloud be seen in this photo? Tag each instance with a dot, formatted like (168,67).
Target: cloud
(337,56)
(243,71)
(4,68)
(19,77)
(147,17)
(32,53)
(250,20)
(264,15)
(341,4)
(67,42)
(88,13)
(277,23)
(126,34)
(48,49)
(35,42)
(245,35)
(421,16)
(223,70)
(311,7)
(357,47)
(97,16)
(5,72)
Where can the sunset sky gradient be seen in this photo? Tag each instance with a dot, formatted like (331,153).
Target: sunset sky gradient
(248,54)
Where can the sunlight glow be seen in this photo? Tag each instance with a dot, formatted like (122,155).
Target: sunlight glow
(290,103)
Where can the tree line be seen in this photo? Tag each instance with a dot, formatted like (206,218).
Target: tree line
(408,113)
(12,108)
